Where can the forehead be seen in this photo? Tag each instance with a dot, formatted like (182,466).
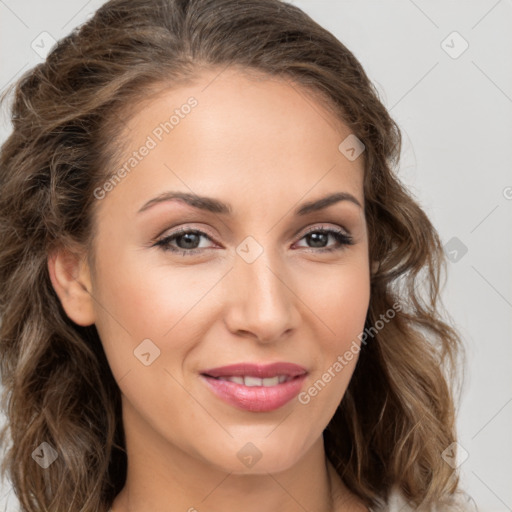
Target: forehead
(229,131)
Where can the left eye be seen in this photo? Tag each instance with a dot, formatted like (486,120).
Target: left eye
(320,235)
(187,240)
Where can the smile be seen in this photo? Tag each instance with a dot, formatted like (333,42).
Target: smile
(255,394)
(251,381)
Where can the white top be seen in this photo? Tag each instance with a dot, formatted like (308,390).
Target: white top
(460,502)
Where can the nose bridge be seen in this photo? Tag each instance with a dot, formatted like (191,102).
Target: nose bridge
(262,302)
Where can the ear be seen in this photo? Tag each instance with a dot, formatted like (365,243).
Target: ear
(70,277)
(375,267)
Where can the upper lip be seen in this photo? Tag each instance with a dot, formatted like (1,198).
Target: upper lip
(256,370)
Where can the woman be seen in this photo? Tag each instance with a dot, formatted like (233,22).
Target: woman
(216,294)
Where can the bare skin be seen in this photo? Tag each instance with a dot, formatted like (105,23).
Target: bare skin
(265,148)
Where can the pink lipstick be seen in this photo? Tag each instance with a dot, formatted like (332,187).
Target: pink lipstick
(256,387)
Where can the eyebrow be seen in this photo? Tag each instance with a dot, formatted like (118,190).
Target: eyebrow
(215,206)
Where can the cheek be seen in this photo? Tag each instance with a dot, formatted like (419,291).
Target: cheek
(341,309)
(339,296)
(145,299)
(164,303)
(349,305)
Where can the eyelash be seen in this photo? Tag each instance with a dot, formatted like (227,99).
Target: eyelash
(342,238)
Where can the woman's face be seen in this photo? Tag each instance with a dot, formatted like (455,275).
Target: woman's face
(247,285)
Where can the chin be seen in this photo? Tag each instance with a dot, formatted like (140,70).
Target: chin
(253,455)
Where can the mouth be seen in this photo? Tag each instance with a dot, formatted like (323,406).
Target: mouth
(251,381)
(256,388)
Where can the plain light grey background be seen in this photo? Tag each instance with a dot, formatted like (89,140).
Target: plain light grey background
(444,70)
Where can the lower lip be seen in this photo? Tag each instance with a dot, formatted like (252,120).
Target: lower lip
(255,398)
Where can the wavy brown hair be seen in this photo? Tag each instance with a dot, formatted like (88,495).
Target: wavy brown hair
(398,412)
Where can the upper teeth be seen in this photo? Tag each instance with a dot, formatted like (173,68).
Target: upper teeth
(255,381)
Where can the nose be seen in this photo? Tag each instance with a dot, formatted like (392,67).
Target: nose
(261,301)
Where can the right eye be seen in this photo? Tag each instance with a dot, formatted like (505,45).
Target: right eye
(187,241)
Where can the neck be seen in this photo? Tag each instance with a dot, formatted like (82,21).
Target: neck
(161,477)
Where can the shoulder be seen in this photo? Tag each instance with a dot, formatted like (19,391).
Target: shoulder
(458,502)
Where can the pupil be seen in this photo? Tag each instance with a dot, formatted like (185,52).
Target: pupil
(318,239)
(190,240)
